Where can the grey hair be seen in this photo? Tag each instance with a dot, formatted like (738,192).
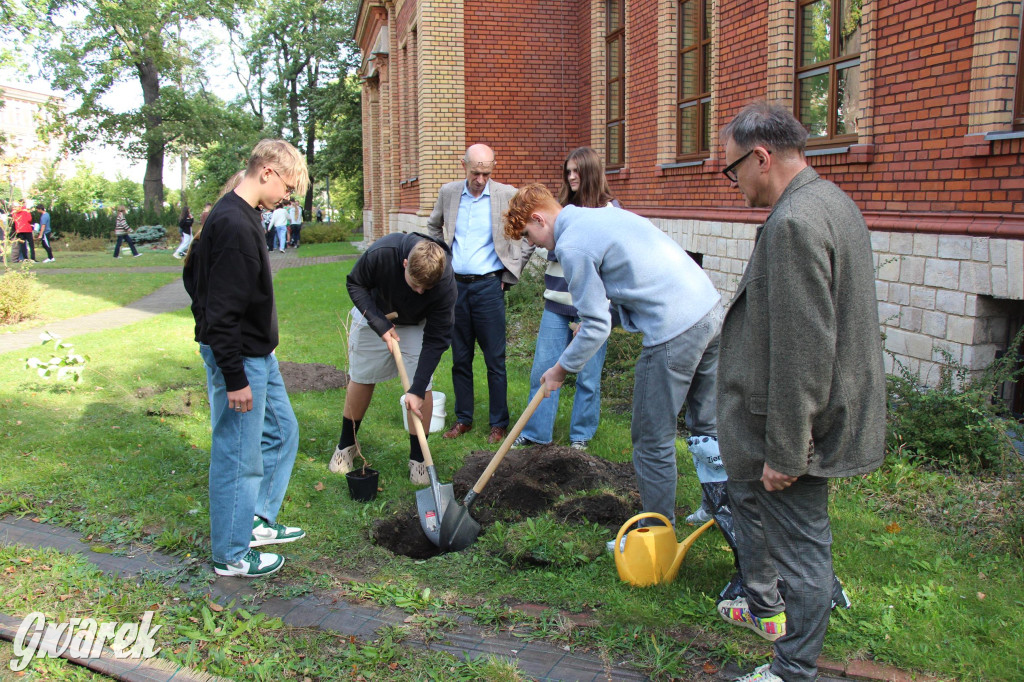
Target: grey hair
(767,124)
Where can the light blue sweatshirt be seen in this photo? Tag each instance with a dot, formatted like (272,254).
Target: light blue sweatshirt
(611,254)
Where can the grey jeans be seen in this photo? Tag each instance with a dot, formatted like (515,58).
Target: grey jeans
(680,370)
(787,533)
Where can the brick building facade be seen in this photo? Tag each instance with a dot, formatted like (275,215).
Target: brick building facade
(915,108)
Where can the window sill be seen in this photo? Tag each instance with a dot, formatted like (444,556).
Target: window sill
(408,183)
(617,174)
(844,154)
(679,167)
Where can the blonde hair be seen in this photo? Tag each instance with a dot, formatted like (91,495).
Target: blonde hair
(283,158)
(426,264)
(526,201)
(233,182)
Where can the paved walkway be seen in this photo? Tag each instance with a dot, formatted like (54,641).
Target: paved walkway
(166,299)
(331,610)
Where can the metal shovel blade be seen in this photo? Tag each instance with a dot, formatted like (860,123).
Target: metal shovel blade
(427,508)
(458,528)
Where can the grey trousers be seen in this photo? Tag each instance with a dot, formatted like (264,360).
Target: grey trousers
(787,533)
(666,375)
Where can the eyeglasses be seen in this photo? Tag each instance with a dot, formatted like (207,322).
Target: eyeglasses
(730,171)
(288,188)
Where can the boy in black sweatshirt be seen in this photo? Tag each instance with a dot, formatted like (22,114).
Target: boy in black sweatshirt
(411,276)
(255,433)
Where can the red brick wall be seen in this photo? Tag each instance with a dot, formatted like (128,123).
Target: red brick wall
(921,162)
(523,85)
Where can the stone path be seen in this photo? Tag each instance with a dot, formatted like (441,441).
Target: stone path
(166,299)
(332,611)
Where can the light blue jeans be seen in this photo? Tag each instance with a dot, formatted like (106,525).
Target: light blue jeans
(553,338)
(251,454)
(281,237)
(667,375)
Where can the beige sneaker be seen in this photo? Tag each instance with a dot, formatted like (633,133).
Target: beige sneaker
(418,473)
(341,462)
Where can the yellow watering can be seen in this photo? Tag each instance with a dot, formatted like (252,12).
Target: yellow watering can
(651,554)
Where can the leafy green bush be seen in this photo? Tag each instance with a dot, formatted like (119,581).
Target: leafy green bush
(19,294)
(147,234)
(956,425)
(100,223)
(326,233)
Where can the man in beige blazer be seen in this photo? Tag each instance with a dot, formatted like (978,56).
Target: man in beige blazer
(468,217)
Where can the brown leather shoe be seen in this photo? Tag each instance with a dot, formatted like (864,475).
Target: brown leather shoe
(497,435)
(458,428)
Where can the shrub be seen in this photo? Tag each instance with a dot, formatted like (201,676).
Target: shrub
(326,233)
(956,425)
(19,294)
(147,234)
(100,223)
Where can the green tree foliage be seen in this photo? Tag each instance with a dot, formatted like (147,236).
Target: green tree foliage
(298,57)
(97,43)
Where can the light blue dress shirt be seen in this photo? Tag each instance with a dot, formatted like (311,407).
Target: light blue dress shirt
(473,248)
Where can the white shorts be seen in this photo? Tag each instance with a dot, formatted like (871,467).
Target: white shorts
(370,361)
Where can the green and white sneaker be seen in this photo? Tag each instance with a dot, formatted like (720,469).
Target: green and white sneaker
(264,533)
(737,612)
(253,565)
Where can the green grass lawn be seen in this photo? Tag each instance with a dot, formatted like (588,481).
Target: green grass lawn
(65,295)
(932,561)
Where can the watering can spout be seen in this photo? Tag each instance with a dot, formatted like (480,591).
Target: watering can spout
(651,555)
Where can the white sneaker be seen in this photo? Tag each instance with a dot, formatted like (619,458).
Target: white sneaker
(264,533)
(418,473)
(49,260)
(761,674)
(341,461)
(253,565)
(699,517)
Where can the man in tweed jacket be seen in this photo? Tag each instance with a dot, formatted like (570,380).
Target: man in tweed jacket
(468,218)
(801,386)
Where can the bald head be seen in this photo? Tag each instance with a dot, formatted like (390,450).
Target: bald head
(478,164)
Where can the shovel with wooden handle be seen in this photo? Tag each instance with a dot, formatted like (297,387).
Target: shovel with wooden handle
(458,529)
(430,504)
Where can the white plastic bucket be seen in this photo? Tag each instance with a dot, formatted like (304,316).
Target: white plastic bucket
(436,419)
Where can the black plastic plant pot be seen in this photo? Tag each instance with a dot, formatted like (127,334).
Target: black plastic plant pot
(362,484)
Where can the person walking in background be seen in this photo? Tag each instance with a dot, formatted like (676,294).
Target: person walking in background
(185,226)
(255,435)
(23,232)
(265,216)
(467,217)
(123,233)
(295,226)
(583,184)
(801,385)
(279,224)
(45,232)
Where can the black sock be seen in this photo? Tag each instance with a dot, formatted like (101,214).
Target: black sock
(415,452)
(349,429)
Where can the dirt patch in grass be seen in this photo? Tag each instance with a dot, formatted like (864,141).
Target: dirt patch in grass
(575,486)
(312,376)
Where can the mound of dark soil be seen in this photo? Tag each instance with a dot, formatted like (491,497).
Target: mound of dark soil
(575,486)
(312,376)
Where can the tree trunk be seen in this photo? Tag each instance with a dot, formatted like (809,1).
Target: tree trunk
(184,182)
(310,140)
(153,184)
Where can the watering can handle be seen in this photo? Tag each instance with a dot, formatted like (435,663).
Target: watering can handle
(638,517)
(506,444)
(417,424)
